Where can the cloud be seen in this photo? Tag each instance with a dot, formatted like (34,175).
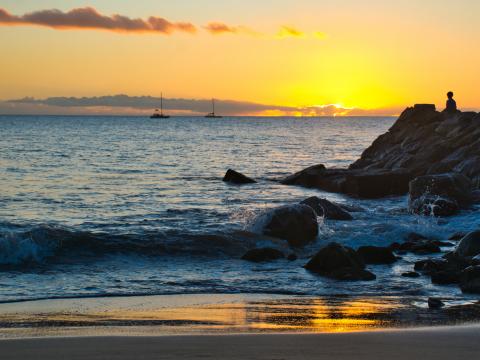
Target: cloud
(138,105)
(89,18)
(220,28)
(289,31)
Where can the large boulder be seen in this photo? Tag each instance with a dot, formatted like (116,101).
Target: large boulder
(469,246)
(235,177)
(327,209)
(295,223)
(376,255)
(339,262)
(263,254)
(439,195)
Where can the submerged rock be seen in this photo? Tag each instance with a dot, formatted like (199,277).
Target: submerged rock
(439,195)
(263,254)
(339,262)
(421,142)
(327,209)
(235,177)
(295,223)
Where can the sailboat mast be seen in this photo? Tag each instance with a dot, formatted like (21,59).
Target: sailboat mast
(161,103)
(213,106)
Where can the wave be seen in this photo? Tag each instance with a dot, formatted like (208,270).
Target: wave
(24,245)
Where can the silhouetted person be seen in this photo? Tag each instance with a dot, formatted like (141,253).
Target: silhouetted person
(451,104)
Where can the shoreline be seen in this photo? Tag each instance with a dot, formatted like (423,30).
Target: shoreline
(217,314)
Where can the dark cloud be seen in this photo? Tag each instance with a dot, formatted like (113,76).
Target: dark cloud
(125,104)
(89,18)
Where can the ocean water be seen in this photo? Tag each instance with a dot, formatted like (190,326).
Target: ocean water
(106,206)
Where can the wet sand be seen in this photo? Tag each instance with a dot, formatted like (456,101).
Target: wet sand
(438,343)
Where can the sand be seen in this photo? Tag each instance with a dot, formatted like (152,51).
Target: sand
(440,343)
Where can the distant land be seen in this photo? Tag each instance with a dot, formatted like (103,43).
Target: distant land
(142,105)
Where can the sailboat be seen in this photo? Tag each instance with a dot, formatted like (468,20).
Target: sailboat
(212,114)
(159,114)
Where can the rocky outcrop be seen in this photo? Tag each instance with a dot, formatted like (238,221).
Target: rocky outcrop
(262,255)
(339,262)
(421,142)
(327,209)
(439,195)
(235,177)
(295,223)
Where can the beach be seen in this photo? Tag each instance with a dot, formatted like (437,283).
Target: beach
(438,344)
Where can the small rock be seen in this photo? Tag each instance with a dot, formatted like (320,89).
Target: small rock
(411,274)
(262,255)
(339,262)
(376,255)
(235,177)
(435,303)
(327,209)
(421,247)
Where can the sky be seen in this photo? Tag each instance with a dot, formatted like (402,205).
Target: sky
(270,57)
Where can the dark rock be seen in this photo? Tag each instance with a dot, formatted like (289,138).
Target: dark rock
(421,247)
(439,195)
(292,257)
(435,303)
(307,178)
(235,177)
(411,274)
(469,245)
(327,209)
(376,255)
(263,254)
(470,280)
(295,223)
(431,265)
(339,262)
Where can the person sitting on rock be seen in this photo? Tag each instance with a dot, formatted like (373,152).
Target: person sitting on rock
(451,104)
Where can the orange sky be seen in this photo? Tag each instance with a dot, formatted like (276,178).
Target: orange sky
(373,55)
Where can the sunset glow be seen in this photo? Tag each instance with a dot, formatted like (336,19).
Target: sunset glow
(373,56)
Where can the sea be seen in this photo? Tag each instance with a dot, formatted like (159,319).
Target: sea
(98,206)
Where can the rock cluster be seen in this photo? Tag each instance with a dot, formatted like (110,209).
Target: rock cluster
(421,142)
